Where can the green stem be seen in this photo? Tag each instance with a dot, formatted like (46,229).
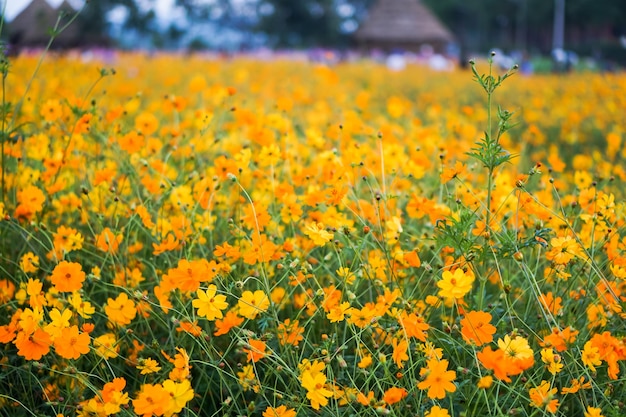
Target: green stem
(4,134)
(489,139)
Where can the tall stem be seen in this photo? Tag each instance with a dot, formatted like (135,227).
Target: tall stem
(489,139)
(4,135)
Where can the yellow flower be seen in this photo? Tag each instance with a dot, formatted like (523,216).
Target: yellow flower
(437,411)
(338,313)
(148,366)
(106,346)
(247,378)
(346,274)
(316,392)
(455,285)
(270,155)
(593,412)
(517,348)
(365,362)
(317,233)
(180,393)
(563,250)
(252,304)
(29,263)
(591,356)
(59,321)
(485,382)
(84,308)
(210,304)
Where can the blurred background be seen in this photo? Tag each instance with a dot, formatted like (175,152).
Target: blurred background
(563,31)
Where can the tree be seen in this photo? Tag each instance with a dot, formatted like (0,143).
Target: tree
(285,23)
(308,23)
(94,23)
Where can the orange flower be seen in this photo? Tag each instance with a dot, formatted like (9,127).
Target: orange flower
(67,276)
(151,400)
(552,304)
(261,250)
(189,327)
(438,380)
(412,259)
(560,339)
(290,333)
(256,351)
(454,172)
(132,142)
(394,395)
(30,201)
(71,343)
(33,346)
(188,275)
(231,320)
(577,385)
(107,241)
(231,252)
(610,350)
(281,411)
(182,368)
(542,397)
(8,332)
(366,400)
(168,244)
(494,360)
(476,328)
(7,289)
(121,310)
(400,352)
(51,110)
(146,123)
(437,411)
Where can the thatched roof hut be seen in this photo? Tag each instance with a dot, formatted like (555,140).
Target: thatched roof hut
(32,27)
(401,24)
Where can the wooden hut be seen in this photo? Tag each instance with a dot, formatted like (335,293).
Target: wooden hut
(32,27)
(401,25)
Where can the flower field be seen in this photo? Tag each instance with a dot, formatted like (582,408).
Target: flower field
(193,237)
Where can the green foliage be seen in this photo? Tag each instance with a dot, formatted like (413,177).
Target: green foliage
(303,23)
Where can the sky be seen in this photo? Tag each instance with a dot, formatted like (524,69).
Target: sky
(14,7)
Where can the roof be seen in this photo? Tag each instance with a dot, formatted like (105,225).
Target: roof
(33,25)
(406,21)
